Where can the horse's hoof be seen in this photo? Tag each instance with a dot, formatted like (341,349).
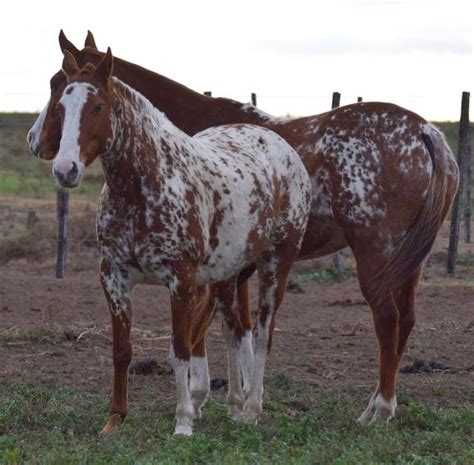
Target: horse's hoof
(238,417)
(199,399)
(251,413)
(183,430)
(235,405)
(382,416)
(112,424)
(236,414)
(378,411)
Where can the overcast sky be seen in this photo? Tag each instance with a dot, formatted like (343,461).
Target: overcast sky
(292,53)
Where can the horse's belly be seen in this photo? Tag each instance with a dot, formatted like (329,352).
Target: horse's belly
(220,269)
(227,260)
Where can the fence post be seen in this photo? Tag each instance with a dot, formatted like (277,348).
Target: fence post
(253,97)
(359,99)
(467,188)
(62,210)
(337,257)
(456,209)
(208,93)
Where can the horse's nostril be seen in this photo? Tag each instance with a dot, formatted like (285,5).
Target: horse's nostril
(74,171)
(58,175)
(30,138)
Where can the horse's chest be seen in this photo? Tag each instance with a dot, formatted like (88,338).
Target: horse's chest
(115,233)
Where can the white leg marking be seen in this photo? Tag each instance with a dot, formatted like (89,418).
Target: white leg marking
(184,407)
(378,409)
(246,360)
(253,404)
(384,409)
(367,414)
(200,384)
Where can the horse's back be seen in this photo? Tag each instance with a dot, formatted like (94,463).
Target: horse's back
(248,141)
(265,189)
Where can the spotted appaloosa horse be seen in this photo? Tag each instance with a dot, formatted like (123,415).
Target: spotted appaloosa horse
(383,180)
(185,212)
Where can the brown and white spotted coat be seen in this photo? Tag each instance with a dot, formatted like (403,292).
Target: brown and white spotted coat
(185,212)
(383,180)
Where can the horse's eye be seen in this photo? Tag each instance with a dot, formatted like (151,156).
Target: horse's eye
(98,108)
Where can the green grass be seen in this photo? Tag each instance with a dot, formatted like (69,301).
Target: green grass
(41,425)
(23,174)
(41,185)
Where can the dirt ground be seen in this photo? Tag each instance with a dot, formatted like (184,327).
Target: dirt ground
(58,331)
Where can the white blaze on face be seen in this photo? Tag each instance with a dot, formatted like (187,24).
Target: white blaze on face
(35,131)
(73,100)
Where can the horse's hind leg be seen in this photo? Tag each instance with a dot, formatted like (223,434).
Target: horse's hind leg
(273,269)
(117,290)
(385,313)
(394,319)
(405,298)
(246,348)
(383,402)
(226,302)
(200,383)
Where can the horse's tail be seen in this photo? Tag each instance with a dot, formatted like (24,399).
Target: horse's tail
(418,241)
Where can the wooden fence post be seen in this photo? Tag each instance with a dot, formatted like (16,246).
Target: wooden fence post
(456,209)
(62,210)
(337,257)
(253,97)
(467,188)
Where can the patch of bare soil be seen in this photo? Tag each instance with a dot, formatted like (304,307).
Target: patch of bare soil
(58,331)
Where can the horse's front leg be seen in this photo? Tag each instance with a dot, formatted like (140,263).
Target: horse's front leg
(183,301)
(117,288)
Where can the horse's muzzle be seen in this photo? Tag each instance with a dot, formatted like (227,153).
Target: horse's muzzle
(35,147)
(70,178)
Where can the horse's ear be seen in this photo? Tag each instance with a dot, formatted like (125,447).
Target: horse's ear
(65,44)
(105,67)
(90,41)
(69,66)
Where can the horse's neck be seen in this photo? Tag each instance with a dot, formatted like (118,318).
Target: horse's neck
(144,140)
(187,109)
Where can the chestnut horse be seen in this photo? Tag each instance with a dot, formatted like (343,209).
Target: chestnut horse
(383,180)
(184,212)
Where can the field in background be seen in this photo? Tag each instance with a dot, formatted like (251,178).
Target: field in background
(56,365)
(24,175)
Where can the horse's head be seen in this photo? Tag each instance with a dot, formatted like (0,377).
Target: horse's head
(45,134)
(84,114)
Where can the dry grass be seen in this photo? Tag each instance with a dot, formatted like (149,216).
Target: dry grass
(32,235)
